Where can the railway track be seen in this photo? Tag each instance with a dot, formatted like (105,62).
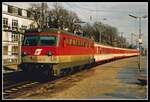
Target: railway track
(22,88)
(11,91)
(15,84)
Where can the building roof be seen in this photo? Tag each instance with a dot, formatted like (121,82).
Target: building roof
(16,15)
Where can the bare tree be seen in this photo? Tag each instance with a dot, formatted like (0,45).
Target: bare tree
(61,18)
(109,35)
(40,13)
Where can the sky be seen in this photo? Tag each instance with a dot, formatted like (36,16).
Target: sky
(116,14)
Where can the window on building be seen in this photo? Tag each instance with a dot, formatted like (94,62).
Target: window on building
(5,50)
(28,14)
(32,26)
(24,13)
(14,50)
(15,23)
(24,27)
(15,37)
(5,22)
(15,10)
(10,9)
(19,12)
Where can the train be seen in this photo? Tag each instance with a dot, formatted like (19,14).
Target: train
(53,52)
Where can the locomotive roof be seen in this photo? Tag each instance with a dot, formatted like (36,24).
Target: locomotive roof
(54,30)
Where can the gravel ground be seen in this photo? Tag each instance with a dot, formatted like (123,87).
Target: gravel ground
(113,80)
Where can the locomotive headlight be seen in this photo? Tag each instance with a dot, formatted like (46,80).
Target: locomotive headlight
(24,53)
(49,53)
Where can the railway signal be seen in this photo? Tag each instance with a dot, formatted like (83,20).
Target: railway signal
(140,40)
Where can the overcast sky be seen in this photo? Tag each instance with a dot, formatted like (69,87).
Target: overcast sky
(116,14)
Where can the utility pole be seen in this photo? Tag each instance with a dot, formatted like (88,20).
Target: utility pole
(19,49)
(131,40)
(122,39)
(42,15)
(140,39)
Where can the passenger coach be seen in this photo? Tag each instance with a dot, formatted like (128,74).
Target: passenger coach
(105,53)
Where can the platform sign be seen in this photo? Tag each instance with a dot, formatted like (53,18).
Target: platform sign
(141,48)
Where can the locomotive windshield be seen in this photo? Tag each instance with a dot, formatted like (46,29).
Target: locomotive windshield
(40,41)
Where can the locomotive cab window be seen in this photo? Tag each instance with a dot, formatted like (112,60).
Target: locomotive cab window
(48,41)
(40,41)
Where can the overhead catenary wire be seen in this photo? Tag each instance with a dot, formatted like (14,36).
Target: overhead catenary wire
(101,10)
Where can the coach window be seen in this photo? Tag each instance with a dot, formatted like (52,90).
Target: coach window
(75,42)
(87,44)
(66,41)
(78,42)
(99,50)
(82,43)
(70,41)
(90,45)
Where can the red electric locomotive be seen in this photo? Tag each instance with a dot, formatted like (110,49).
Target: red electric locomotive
(55,52)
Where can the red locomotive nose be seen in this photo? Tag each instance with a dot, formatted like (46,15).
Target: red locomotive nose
(38,51)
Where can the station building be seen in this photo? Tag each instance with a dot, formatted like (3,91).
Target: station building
(14,22)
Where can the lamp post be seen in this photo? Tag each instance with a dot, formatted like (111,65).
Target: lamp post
(140,39)
(122,41)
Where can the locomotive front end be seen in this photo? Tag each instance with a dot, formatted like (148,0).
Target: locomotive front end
(39,53)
